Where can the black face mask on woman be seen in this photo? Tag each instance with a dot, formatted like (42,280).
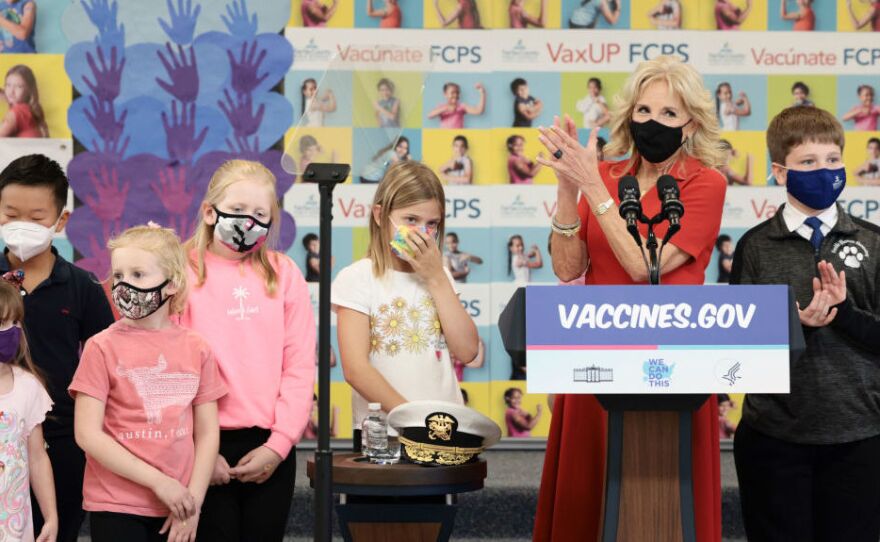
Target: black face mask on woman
(656,142)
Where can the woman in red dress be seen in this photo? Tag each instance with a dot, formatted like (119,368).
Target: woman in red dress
(666,122)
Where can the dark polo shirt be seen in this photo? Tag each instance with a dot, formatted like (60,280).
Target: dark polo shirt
(60,314)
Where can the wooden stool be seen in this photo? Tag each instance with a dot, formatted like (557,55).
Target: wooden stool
(394,502)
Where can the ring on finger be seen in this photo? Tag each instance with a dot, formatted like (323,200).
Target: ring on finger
(558,154)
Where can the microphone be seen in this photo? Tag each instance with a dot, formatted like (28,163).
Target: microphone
(671,206)
(630,207)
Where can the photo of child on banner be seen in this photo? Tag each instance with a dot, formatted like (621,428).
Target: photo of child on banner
(372,138)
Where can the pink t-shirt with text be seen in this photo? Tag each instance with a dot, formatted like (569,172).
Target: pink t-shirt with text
(265,345)
(149,380)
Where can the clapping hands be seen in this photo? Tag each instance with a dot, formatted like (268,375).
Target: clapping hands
(829,290)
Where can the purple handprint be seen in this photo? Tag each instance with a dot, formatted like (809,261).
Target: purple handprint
(240,113)
(242,145)
(244,70)
(110,203)
(180,138)
(175,197)
(183,21)
(238,23)
(108,78)
(184,75)
(102,117)
(113,149)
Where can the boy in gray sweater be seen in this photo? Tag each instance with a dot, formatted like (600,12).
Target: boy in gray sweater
(808,462)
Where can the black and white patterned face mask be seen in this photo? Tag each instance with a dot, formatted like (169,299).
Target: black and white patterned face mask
(241,233)
(135,303)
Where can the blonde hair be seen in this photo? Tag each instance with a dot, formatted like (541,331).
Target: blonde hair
(164,244)
(231,172)
(405,183)
(12,310)
(684,83)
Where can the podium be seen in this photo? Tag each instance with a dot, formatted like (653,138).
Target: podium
(652,355)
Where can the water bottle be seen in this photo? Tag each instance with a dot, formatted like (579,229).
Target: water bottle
(374,432)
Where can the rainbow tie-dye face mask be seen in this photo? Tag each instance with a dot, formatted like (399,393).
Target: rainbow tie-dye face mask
(398,242)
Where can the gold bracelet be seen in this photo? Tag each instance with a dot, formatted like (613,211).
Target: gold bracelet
(604,207)
(576,225)
(565,230)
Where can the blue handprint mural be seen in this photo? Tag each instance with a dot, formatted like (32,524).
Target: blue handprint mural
(162,105)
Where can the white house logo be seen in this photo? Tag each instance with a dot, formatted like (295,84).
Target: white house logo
(593,374)
(853,254)
(519,209)
(311,53)
(726,57)
(520,53)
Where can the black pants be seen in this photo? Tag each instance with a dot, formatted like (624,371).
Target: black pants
(808,493)
(68,467)
(247,512)
(113,527)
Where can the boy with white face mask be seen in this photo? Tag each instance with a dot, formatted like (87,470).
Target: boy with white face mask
(64,306)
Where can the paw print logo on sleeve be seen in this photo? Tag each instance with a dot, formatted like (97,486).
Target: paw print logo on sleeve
(852,253)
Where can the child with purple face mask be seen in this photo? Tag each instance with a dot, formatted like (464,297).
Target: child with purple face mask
(252,304)
(399,316)
(23,407)
(146,393)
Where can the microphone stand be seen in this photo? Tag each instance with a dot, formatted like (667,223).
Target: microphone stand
(652,245)
(327,176)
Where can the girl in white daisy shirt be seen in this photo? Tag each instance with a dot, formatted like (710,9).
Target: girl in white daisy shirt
(398,314)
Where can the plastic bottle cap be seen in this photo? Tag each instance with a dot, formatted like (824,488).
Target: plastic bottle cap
(375,406)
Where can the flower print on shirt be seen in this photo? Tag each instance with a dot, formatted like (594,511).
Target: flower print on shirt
(403,326)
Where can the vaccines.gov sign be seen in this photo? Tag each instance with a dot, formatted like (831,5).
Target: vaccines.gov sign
(657,339)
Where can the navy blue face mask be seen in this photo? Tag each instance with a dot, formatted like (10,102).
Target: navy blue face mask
(817,189)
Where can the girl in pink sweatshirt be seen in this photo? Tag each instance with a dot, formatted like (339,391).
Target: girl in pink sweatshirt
(252,305)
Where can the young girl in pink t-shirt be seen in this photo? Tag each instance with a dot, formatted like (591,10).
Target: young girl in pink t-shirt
(23,407)
(252,304)
(866,113)
(146,395)
(452,112)
(519,422)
